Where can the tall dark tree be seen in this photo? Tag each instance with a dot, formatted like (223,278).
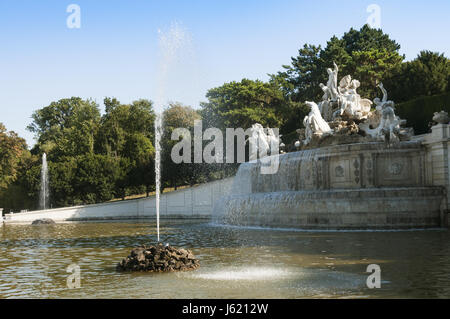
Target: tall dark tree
(426,75)
(368,55)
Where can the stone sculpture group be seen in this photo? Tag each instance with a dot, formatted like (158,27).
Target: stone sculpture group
(263,142)
(342,117)
(342,112)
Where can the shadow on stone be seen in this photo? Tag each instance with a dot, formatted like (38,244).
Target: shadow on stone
(159,258)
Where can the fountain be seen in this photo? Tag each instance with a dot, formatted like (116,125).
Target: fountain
(158,133)
(158,258)
(162,258)
(44,193)
(170,45)
(356,168)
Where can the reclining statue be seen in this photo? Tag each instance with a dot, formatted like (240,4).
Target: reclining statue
(314,124)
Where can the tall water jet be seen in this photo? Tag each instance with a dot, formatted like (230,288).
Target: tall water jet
(44,193)
(158,133)
(170,45)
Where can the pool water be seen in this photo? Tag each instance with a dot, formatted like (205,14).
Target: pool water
(235,262)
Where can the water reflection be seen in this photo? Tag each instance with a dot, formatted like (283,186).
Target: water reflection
(235,262)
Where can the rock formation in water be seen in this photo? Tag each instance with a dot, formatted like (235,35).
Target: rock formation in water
(43,221)
(159,258)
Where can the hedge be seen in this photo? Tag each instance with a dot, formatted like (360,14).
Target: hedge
(419,112)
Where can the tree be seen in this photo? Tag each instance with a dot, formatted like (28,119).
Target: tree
(368,55)
(426,75)
(301,79)
(143,159)
(178,116)
(63,188)
(100,178)
(66,127)
(12,149)
(242,104)
(120,123)
(127,132)
(14,161)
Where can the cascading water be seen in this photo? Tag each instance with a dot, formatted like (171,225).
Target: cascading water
(348,186)
(44,193)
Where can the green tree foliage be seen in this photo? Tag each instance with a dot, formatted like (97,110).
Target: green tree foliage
(99,178)
(121,124)
(241,104)
(173,175)
(428,74)
(14,159)
(127,132)
(419,112)
(12,149)
(92,158)
(66,127)
(87,179)
(367,54)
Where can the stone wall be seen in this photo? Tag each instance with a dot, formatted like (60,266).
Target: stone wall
(360,185)
(193,202)
(437,164)
(371,208)
(353,166)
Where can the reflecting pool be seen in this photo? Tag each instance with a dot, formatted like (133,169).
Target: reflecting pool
(235,262)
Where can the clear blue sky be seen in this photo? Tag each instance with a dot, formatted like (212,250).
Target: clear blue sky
(115,52)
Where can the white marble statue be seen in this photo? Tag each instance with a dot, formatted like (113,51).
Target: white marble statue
(441,117)
(314,124)
(349,113)
(345,96)
(389,125)
(332,82)
(384,102)
(272,139)
(350,102)
(330,93)
(261,142)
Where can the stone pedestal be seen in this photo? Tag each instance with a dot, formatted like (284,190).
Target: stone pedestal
(347,186)
(437,164)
